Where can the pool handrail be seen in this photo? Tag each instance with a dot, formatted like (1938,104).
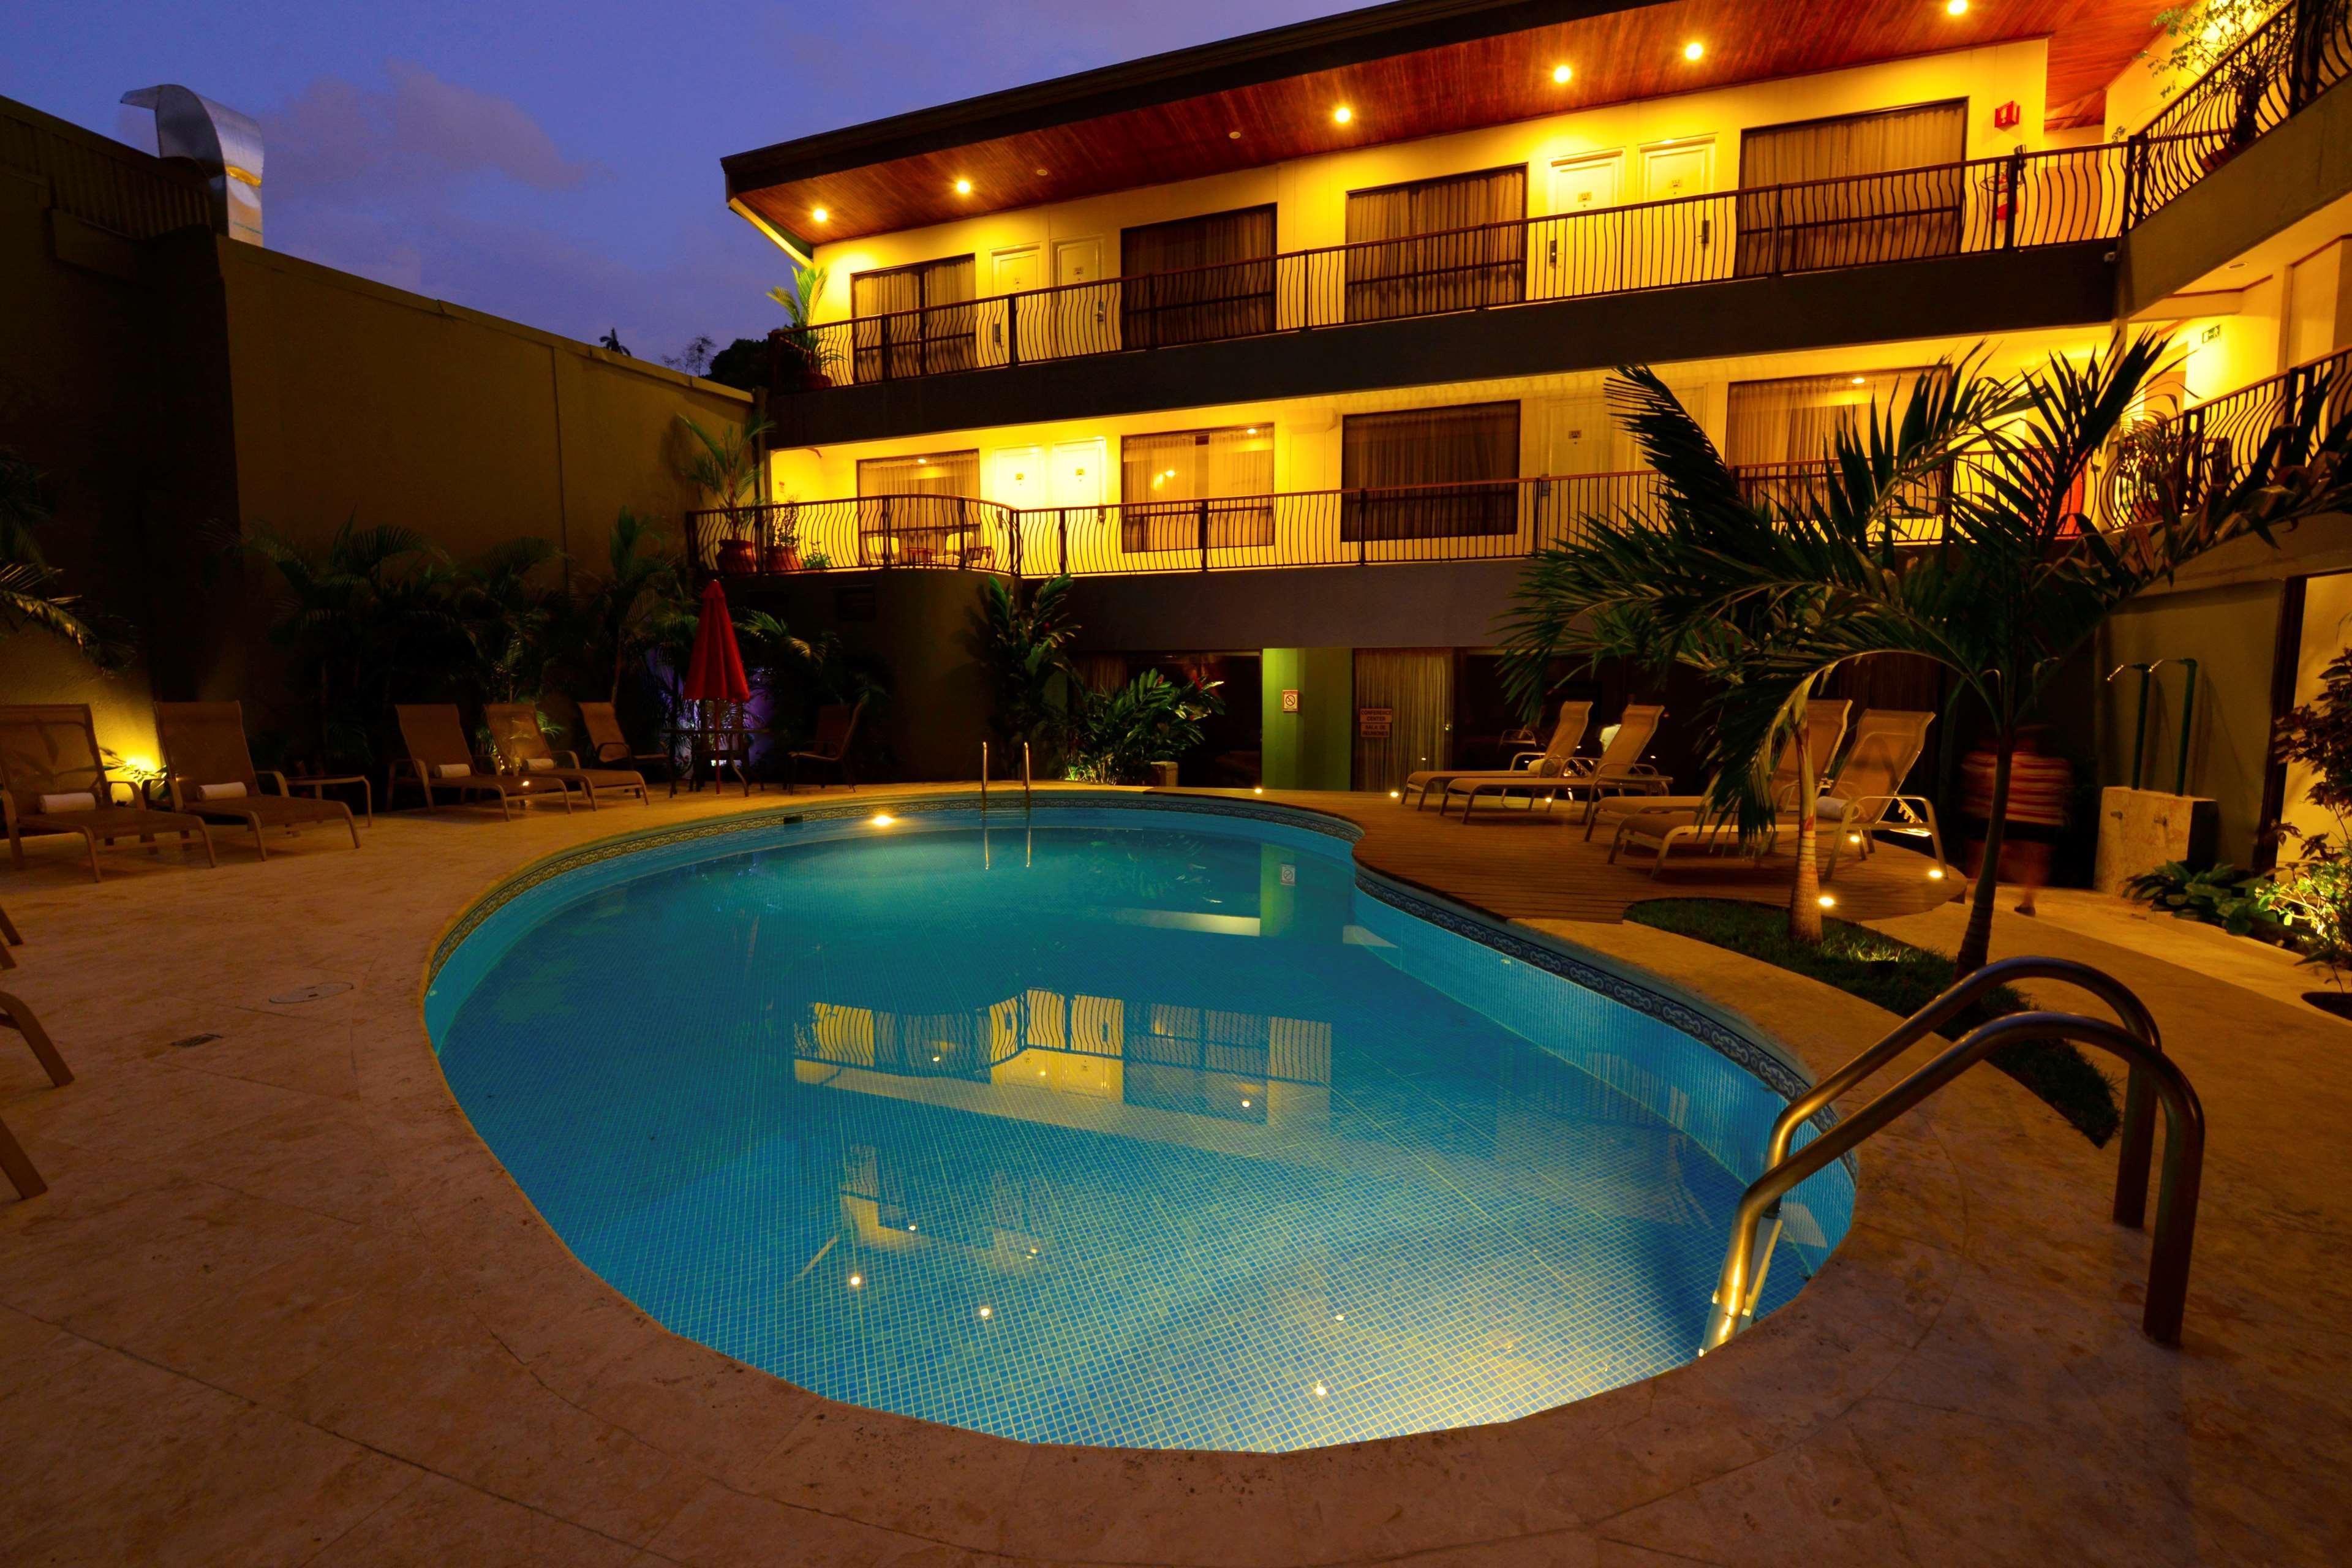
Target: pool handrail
(2176,1206)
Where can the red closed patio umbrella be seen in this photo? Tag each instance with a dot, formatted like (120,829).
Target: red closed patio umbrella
(714,676)
(714,673)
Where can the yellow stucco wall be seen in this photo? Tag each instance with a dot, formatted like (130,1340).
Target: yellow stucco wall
(1310,194)
(355,399)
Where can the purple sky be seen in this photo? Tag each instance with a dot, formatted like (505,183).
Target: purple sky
(559,164)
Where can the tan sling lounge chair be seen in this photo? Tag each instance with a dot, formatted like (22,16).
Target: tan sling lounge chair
(440,762)
(213,776)
(608,743)
(1824,733)
(15,1164)
(514,729)
(1559,756)
(1618,771)
(1886,744)
(836,732)
(53,780)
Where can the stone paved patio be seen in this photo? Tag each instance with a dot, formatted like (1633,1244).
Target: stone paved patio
(280,1306)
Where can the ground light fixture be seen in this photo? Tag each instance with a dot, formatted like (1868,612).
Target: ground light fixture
(1935,873)
(1694,51)
(1826,901)
(1341,115)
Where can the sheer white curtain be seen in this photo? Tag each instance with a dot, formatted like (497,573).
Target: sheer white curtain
(1414,686)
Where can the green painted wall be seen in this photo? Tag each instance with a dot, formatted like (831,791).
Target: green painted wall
(1309,749)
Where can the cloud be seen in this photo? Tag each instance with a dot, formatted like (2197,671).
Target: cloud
(417,131)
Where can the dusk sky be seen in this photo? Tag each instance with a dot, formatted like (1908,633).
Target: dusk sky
(559,164)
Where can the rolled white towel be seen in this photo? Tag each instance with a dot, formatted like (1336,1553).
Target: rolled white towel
(454,770)
(221,791)
(76,800)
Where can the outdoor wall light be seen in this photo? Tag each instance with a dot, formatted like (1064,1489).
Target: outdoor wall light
(1341,115)
(1694,51)
(1562,74)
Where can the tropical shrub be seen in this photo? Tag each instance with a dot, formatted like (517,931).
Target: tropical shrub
(1023,640)
(2313,893)
(1114,737)
(2219,894)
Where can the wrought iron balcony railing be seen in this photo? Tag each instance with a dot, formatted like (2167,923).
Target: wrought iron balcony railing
(2019,201)
(2187,454)
(1486,520)
(2304,49)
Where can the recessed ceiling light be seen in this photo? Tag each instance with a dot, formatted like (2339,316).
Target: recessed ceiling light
(963,187)
(1694,51)
(1043,173)
(1859,379)
(1956,7)
(819,213)
(1561,73)
(1233,135)
(1342,114)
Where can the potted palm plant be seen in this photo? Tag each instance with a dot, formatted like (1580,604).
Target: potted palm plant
(728,467)
(799,357)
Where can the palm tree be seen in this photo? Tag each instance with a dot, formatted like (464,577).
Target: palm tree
(2016,586)
(361,618)
(29,595)
(1023,640)
(639,584)
(505,618)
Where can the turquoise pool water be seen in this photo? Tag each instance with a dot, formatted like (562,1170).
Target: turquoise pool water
(1137,1128)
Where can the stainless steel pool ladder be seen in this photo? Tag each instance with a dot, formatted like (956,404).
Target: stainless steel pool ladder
(983,777)
(2153,1076)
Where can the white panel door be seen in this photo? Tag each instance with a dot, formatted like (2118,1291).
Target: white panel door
(1014,271)
(1078,473)
(1075,520)
(1017,478)
(1085,309)
(1579,254)
(1692,244)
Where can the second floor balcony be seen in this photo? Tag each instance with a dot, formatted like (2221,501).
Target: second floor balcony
(2022,201)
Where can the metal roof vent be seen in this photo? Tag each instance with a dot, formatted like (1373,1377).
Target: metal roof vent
(222,143)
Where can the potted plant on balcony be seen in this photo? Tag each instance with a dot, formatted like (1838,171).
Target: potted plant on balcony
(2206,37)
(799,357)
(728,467)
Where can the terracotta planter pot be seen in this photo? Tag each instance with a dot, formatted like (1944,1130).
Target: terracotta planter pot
(782,558)
(738,557)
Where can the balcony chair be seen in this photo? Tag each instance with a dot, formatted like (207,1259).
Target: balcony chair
(1559,756)
(53,780)
(523,745)
(212,774)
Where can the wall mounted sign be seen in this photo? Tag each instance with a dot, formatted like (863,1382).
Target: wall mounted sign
(1289,875)
(1375,723)
(1290,700)
(2007,115)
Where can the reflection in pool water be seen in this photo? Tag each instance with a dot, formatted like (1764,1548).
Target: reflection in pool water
(1131,1129)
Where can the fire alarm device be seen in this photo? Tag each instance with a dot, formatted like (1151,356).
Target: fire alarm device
(2007,115)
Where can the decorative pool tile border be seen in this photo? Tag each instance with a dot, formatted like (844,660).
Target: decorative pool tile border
(1709,1029)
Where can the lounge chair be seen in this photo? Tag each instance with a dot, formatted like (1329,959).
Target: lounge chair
(440,762)
(1619,770)
(213,776)
(1868,798)
(608,743)
(836,732)
(15,1164)
(53,780)
(1859,798)
(515,732)
(1557,756)
(1824,731)
(9,937)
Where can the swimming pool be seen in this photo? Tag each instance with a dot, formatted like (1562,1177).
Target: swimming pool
(1148,1128)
